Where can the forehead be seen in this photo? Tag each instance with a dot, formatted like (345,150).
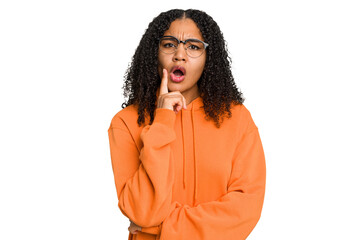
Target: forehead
(184,29)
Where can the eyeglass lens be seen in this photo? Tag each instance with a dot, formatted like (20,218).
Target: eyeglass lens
(193,48)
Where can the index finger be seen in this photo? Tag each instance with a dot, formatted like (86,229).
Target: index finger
(163,86)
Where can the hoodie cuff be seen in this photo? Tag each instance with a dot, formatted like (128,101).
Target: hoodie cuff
(152,230)
(165,116)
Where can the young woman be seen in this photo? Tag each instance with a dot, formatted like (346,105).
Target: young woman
(182,170)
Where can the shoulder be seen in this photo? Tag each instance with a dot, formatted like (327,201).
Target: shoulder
(124,122)
(243,116)
(240,112)
(124,117)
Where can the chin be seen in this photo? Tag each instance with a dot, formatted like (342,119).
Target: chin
(173,89)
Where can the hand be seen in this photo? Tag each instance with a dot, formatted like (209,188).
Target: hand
(174,101)
(134,229)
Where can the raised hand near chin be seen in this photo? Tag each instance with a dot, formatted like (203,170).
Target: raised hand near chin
(171,100)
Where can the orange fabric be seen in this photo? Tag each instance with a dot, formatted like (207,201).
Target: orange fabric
(183,178)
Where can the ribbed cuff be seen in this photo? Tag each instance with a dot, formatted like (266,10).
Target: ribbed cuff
(152,230)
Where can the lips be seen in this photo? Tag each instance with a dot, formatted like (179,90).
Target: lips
(177,74)
(179,68)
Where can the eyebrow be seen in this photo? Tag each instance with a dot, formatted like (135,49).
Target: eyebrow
(184,40)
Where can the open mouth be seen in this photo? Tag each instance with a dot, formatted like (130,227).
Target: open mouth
(178,74)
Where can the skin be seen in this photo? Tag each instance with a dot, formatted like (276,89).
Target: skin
(133,228)
(174,101)
(173,95)
(183,29)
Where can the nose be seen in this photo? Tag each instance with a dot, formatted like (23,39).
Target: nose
(180,53)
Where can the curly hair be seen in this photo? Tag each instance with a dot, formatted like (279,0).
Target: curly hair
(216,84)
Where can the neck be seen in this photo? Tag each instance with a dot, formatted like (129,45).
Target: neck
(190,96)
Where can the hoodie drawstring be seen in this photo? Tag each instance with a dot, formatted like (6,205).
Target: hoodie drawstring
(184,154)
(193,127)
(184,151)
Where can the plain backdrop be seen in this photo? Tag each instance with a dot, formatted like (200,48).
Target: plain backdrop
(61,68)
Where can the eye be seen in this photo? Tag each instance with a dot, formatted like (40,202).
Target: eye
(194,47)
(168,45)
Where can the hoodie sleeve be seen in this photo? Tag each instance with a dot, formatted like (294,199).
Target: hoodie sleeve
(235,214)
(144,179)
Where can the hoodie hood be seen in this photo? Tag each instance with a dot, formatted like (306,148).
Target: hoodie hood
(195,105)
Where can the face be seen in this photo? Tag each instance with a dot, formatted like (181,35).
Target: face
(183,29)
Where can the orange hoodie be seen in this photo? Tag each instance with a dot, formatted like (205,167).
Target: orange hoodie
(182,178)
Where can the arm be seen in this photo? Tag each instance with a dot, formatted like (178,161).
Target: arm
(235,214)
(144,180)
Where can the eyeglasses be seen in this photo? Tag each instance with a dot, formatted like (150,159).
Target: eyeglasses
(193,47)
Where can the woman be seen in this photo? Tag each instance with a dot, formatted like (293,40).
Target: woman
(180,172)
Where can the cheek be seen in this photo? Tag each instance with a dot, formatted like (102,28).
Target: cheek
(198,67)
(160,70)
(164,61)
(160,64)
(160,61)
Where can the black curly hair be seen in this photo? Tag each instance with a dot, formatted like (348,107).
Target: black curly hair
(216,84)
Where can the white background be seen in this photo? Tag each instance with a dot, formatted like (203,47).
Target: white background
(61,69)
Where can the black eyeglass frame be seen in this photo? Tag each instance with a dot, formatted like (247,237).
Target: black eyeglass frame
(184,42)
